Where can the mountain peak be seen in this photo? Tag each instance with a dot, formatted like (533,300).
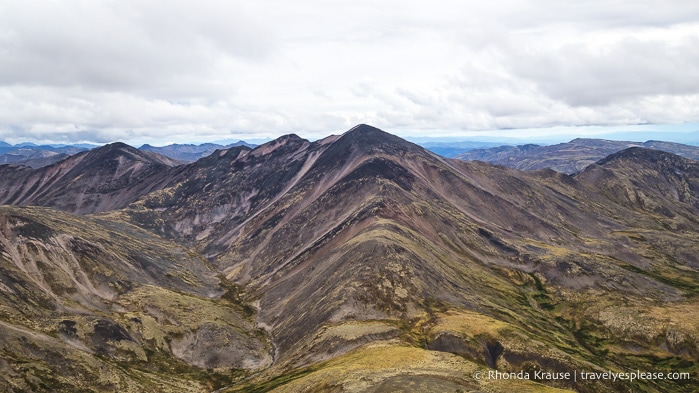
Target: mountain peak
(366,136)
(101,179)
(361,128)
(290,137)
(114,148)
(283,143)
(364,132)
(639,178)
(636,153)
(113,151)
(118,145)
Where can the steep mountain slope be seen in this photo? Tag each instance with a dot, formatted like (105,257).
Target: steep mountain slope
(648,179)
(94,305)
(571,157)
(368,238)
(101,179)
(360,262)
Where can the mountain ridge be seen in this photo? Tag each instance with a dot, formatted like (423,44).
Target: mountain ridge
(190,152)
(570,157)
(88,182)
(363,257)
(376,181)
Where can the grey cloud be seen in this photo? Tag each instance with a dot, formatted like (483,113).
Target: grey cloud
(125,46)
(630,69)
(594,14)
(178,70)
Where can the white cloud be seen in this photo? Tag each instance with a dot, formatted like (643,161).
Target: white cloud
(143,47)
(178,70)
(599,69)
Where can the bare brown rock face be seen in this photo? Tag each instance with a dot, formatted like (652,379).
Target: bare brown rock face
(94,181)
(359,262)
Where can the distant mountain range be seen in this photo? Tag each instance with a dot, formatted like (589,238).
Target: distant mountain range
(189,152)
(36,156)
(453,149)
(356,263)
(570,157)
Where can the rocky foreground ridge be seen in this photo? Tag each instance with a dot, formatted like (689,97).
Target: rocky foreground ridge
(356,263)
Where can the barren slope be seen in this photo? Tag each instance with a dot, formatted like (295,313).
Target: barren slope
(98,180)
(367,227)
(363,263)
(91,305)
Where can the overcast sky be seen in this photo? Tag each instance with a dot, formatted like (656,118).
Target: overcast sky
(183,71)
